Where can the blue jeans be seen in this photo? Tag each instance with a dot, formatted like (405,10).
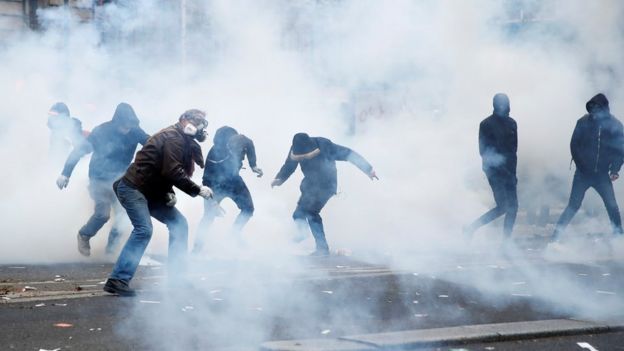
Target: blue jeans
(139,210)
(102,194)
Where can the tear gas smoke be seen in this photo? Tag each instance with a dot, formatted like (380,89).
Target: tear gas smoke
(403,83)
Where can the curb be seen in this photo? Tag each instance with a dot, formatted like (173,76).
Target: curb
(413,339)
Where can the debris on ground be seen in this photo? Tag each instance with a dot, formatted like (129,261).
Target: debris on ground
(63,325)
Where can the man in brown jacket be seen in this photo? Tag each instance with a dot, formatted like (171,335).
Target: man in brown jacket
(146,190)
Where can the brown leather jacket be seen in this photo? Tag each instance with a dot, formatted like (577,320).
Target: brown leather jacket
(167,159)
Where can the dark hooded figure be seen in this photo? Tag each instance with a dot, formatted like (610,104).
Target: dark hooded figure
(317,157)
(223,164)
(498,144)
(113,145)
(597,148)
(65,131)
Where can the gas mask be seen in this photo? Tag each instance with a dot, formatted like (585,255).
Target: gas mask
(196,132)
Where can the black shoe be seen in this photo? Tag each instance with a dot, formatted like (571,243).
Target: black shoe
(118,287)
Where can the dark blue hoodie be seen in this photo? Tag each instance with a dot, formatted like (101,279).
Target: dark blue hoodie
(225,158)
(112,150)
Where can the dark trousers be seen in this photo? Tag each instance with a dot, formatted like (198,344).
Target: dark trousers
(504,188)
(235,189)
(308,212)
(102,193)
(603,185)
(140,211)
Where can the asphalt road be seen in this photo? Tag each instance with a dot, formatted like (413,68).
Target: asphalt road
(238,304)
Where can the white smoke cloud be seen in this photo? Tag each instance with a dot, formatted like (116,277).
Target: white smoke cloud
(423,73)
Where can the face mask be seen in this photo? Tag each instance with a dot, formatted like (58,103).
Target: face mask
(190,129)
(199,134)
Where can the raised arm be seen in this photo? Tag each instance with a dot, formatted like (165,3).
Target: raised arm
(343,153)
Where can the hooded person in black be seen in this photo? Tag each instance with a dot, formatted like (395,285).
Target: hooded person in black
(221,174)
(498,145)
(317,157)
(597,148)
(113,145)
(65,131)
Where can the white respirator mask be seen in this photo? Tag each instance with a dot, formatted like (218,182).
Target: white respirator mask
(190,129)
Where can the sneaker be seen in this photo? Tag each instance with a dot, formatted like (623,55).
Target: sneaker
(118,287)
(83,245)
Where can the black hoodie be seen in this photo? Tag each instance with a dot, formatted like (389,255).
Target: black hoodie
(498,145)
(225,158)
(597,144)
(318,163)
(112,150)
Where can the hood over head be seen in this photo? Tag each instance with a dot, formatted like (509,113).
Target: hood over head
(501,105)
(59,108)
(125,116)
(598,104)
(223,135)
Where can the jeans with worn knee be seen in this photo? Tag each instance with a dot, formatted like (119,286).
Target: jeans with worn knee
(140,210)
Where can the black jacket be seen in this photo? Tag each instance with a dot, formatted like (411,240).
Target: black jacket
(597,144)
(166,160)
(112,151)
(225,158)
(320,172)
(498,145)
